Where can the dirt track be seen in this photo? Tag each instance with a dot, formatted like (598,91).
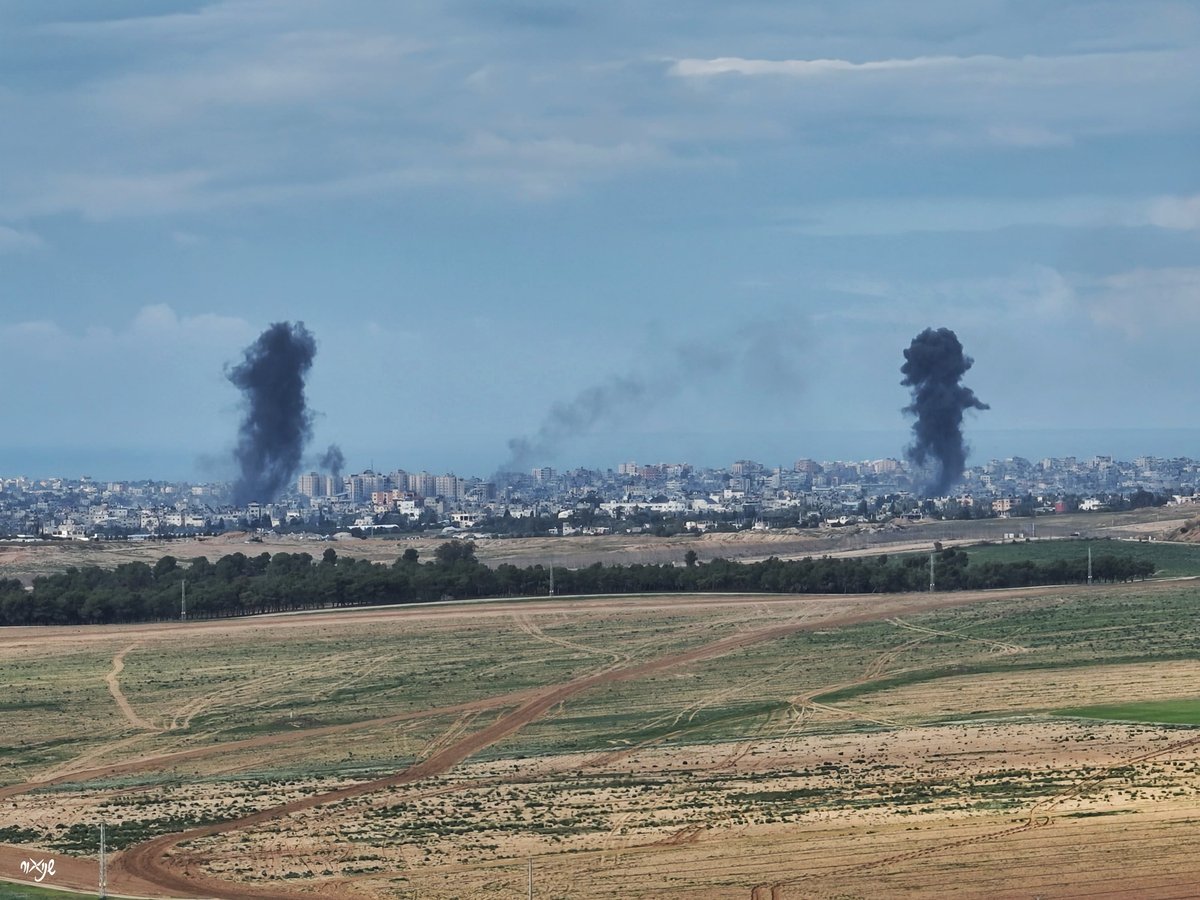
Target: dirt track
(150,861)
(113,680)
(149,865)
(1038,817)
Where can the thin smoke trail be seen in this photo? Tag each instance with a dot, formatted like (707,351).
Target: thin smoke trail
(762,352)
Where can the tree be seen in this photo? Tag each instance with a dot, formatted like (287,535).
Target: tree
(164,567)
(453,552)
(690,558)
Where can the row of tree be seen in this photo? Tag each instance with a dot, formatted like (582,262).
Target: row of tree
(238,585)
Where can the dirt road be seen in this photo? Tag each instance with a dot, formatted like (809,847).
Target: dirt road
(150,868)
(151,861)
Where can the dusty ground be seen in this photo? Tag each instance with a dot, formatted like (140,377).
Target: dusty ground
(26,561)
(707,764)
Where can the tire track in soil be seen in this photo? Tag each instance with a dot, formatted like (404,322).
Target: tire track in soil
(247,694)
(997,646)
(166,760)
(112,679)
(150,862)
(525,623)
(1038,817)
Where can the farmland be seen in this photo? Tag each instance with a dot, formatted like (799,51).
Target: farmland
(1170,559)
(768,745)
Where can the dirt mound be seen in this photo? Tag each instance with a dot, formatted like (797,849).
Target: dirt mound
(1188,532)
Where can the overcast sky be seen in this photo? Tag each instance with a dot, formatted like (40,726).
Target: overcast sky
(728,218)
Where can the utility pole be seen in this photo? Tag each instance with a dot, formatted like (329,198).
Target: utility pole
(183,600)
(103,865)
(551,578)
(531,878)
(1089,563)
(931,582)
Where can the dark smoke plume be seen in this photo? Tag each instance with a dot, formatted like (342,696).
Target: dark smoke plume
(277,423)
(763,352)
(590,407)
(934,365)
(333,461)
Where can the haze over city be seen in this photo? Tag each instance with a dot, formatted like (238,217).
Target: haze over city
(481,210)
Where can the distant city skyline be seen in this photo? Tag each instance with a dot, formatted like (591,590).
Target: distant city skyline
(123,464)
(723,227)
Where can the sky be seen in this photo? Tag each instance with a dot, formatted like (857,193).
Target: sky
(696,232)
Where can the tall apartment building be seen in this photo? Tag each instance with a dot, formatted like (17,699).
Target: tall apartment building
(423,484)
(374,481)
(446,486)
(314,484)
(746,467)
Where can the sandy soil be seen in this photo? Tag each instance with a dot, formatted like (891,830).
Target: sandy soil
(685,842)
(151,861)
(25,561)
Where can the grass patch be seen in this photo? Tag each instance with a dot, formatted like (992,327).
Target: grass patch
(85,838)
(14,834)
(1170,712)
(924,676)
(1170,559)
(11,891)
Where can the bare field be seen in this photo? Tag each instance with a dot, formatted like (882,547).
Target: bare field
(762,746)
(27,561)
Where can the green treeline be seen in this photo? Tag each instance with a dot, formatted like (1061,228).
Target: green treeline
(238,585)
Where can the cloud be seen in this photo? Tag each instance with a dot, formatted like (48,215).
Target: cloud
(160,321)
(1138,303)
(878,216)
(290,70)
(182,238)
(551,166)
(152,380)
(270,103)
(907,215)
(156,332)
(1180,213)
(14,240)
(1036,295)
(104,196)
(988,68)
(1144,302)
(809,68)
(1026,101)
(1027,136)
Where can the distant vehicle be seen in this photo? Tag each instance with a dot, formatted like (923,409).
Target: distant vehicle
(1074,534)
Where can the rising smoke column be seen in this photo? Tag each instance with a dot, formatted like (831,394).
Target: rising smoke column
(589,408)
(762,352)
(277,423)
(333,460)
(934,365)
